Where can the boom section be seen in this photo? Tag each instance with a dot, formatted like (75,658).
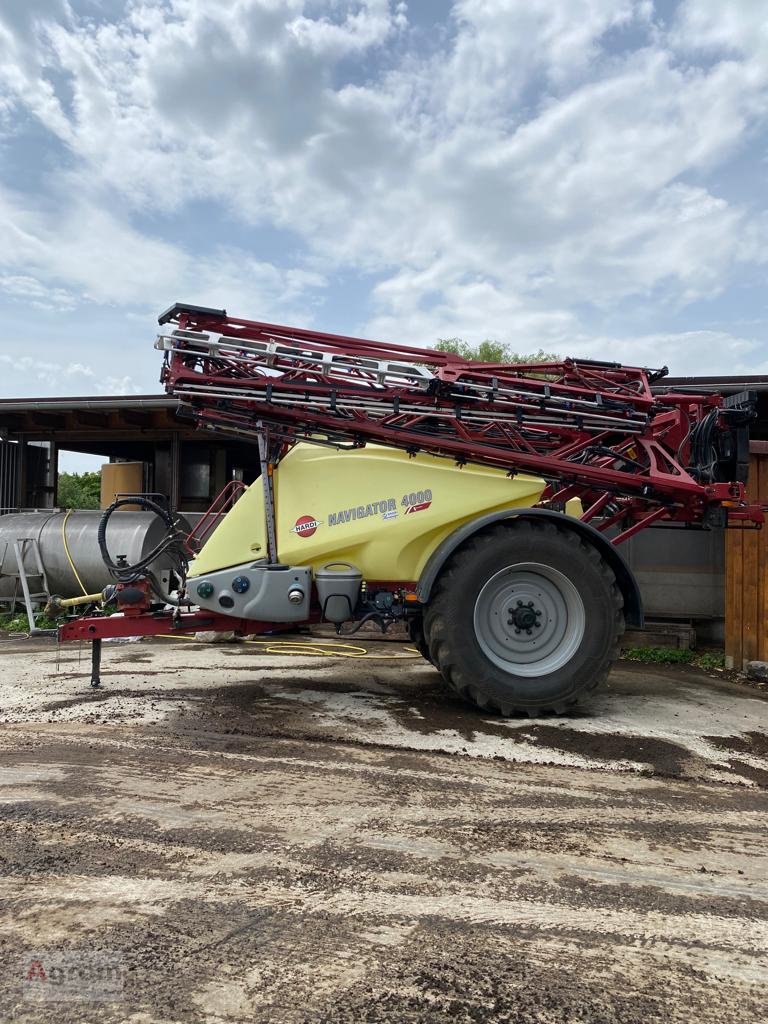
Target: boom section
(600,431)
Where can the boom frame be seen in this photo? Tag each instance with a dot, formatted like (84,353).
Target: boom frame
(593,430)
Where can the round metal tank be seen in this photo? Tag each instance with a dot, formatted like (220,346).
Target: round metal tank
(133,534)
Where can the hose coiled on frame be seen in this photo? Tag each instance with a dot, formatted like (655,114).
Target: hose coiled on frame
(172,545)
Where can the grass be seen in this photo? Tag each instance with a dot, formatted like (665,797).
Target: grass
(708,660)
(16,622)
(13,622)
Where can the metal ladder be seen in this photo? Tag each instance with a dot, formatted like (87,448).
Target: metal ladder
(24,574)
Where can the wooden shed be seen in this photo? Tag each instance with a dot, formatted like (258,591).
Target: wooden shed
(187,466)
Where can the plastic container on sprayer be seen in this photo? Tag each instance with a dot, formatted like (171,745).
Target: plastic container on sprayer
(338,589)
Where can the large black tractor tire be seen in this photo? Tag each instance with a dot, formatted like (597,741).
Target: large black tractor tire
(525,616)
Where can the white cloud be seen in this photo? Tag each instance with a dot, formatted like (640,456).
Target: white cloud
(119,386)
(25,57)
(540,157)
(105,260)
(34,293)
(475,310)
(685,353)
(61,378)
(738,26)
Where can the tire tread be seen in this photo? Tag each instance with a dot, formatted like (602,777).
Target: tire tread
(437,630)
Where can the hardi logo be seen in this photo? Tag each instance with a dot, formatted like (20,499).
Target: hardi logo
(305,526)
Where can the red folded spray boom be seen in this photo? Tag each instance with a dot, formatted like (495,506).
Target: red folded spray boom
(592,430)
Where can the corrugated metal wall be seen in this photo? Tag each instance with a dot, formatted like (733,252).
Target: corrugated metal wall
(681,572)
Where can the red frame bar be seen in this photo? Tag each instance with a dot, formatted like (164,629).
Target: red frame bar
(101,627)
(220,505)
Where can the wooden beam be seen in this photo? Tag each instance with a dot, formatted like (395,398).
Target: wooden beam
(135,418)
(34,421)
(90,419)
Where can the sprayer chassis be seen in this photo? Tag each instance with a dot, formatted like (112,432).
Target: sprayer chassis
(480,504)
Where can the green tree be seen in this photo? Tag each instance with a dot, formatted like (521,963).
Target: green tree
(79,490)
(490,351)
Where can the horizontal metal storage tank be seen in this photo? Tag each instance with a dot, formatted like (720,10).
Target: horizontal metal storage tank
(133,534)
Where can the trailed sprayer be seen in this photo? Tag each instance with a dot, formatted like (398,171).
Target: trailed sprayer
(482,505)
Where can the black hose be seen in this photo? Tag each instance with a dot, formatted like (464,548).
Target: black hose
(172,544)
(703,448)
(384,623)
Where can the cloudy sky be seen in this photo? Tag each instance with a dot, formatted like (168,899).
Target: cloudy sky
(586,176)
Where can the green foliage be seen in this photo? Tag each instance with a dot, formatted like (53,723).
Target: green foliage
(489,351)
(660,655)
(17,622)
(79,490)
(708,661)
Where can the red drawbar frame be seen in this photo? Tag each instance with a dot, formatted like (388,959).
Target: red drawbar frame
(153,623)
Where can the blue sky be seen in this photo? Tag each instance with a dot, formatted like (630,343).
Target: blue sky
(587,177)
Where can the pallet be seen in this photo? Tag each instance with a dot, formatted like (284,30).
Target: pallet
(681,635)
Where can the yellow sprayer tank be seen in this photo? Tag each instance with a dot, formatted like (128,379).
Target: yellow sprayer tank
(378,508)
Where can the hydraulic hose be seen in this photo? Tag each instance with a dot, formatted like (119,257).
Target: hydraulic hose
(172,544)
(703,450)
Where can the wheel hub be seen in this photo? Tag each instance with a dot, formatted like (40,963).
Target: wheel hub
(524,616)
(529,619)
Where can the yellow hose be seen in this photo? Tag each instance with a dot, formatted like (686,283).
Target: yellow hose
(57,604)
(69,553)
(315,648)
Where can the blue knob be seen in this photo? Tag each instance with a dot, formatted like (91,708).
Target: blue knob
(240,584)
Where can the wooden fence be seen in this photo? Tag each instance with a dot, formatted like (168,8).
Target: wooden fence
(746,576)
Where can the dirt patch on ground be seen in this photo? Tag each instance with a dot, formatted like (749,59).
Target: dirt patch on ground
(266,839)
(748,743)
(661,757)
(246,878)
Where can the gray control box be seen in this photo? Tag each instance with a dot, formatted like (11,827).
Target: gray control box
(271,593)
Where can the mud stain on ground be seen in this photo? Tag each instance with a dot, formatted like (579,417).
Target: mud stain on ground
(266,880)
(748,743)
(271,840)
(662,757)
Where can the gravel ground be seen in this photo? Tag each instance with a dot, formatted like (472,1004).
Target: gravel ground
(264,838)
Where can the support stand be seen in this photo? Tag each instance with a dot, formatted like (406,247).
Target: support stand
(96,664)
